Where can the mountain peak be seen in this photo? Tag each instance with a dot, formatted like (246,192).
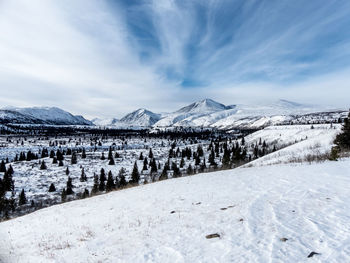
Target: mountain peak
(202,106)
(140,117)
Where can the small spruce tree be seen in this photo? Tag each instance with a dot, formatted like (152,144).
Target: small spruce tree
(52,188)
(22,198)
(43,165)
(135,175)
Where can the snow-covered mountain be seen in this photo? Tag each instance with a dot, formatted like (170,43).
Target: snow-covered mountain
(185,115)
(104,122)
(139,118)
(208,113)
(41,115)
(204,106)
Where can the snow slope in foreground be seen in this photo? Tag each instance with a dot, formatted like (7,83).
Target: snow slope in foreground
(251,209)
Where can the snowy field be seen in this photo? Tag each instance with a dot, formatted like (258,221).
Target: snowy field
(36,182)
(296,143)
(278,213)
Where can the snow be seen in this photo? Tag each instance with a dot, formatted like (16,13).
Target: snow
(298,142)
(251,209)
(140,117)
(44,115)
(209,113)
(104,122)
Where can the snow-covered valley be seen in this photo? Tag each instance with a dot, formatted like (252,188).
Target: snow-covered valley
(284,201)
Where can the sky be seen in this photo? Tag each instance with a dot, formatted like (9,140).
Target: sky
(106,58)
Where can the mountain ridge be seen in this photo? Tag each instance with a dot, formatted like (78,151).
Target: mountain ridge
(41,115)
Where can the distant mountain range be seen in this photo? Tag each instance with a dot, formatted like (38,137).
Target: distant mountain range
(205,113)
(209,113)
(40,115)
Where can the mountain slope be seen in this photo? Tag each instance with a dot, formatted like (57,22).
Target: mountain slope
(183,116)
(140,117)
(267,214)
(10,116)
(208,113)
(43,115)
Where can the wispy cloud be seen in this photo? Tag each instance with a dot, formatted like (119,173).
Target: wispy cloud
(105,58)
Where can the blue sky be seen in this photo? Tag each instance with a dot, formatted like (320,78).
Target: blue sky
(116,56)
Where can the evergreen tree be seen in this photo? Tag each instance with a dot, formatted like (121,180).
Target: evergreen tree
(69,190)
(83,177)
(52,154)
(164,174)
(64,195)
(96,184)
(43,165)
(203,166)
(103,156)
(182,162)
(110,154)
(226,159)
(342,140)
(121,175)
(111,161)
(74,159)
(150,154)
(83,154)
(59,155)
(54,160)
(135,175)
(141,157)
(200,151)
(2,167)
(52,188)
(177,172)
(8,183)
(153,166)
(145,163)
(60,163)
(171,153)
(67,171)
(22,198)
(110,182)
(102,185)
(197,160)
(212,158)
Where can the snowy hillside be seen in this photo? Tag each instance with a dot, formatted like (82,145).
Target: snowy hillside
(299,143)
(43,115)
(10,116)
(140,117)
(277,213)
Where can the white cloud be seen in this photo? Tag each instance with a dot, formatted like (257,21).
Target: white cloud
(80,56)
(72,56)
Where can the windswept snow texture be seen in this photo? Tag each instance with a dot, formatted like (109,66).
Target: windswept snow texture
(41,115)
(276,213)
